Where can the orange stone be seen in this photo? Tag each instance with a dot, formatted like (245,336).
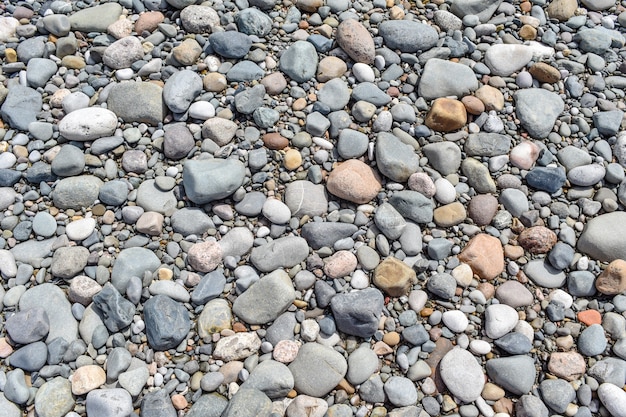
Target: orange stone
(612,280)
(391,338)
(446,115)
(484,255)
(589,317)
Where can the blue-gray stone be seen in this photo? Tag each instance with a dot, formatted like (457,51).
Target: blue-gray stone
(250,99)
(549,179)
(180,89)
(212,179)
(407,35)
(252,21)
(21,106)
(244,71)
(514,343)
(371,93)
(248,402)
(9,177)
(442,285)
(592,341)
(557,394)
(157,404)
(28,326)
(442,78)
(230,44)
(320,234)
(357,313)
(15,388)
(191,221)
(116,312)
(395,159)
(30,358)
(439,248)
(609,370)
(39,71)
(284,252)
(167,322)
(538,120)
(487,144)
(531,406)
(209,287)
(352,143)
(515,373)
(208,405)
(561,255)
(113,193)
(54,301)
(608,122)
(413,205)
(415,335)
(132,262)
(299,61)
(593,40)
(603,237)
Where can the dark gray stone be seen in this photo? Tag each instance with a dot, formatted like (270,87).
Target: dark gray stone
(28,326)
(116,311)
(157,404)
(167,322)
(320,234)
(357,313)
(30,358)
(209,287)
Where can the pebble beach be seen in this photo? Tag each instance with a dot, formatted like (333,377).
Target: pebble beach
(312,208)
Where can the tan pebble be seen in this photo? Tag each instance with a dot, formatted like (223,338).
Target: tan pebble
(214,82)
(150,223)
(394,277)
(492,392)
(492,98)
(309,5)
(528,32)
(391,338)
(275,141)
(239,327)
(342,263)
(446,115)
(5,348)
(87,378)
(187,52)
(513,252)
(292,160)
(179,401)
(165,274)
(231,371)
(526,6)
(120,28)
(463,275)
(565,342)
(562,10)
(396,13)
(537,239)
(448,403)
(545,73)
(381,348)
(299,104)
(274,83)
(356,41)
(473,105)
(354,181)
(10,55)
(292,394)
(567,365)
(449,215)
(612,280)
(73,62)
(504,406)
(286,351)
(329,68)
(487,289)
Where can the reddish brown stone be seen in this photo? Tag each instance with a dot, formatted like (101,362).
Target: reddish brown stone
(545,73)
(446,115)
(275,141)
(356,41)
(537,239)
(148,22)
(613,279)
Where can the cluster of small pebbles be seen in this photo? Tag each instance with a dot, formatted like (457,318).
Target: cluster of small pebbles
(312,208)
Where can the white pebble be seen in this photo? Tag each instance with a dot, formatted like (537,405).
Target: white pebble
(124,74)
(363,72)
(445,193)
(562,297)
(322,143)
(582,264)
(201,110)
(359,280)
(455,320)
(479,347)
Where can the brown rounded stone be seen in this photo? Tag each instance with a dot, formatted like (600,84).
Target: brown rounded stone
(356,41)
(391,338)
(449,215)
(484,254)
(528,32)
(613,279)
(354,181)
(537,239)
(274,83)
(148,22)
(473,105)
(329,68)
(394,277)
(292,160)
(482,208)
(492,98)
(310,6)
(545,73)
(446,115)
(562,10)
(567,365)
(214,82)
(275,141)
(187,52)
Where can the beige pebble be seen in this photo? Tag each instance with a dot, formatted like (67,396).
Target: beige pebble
(87,378)
(292,160)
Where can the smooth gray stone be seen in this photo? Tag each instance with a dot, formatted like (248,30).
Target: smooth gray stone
(442,78)
(230,44)
(15,389)
(266,299)
(370,92)
(272,378)
(413,205)
(389,221)
(335,94)
(54,398)
(31,48)
(113,193)
(106,144)
(21,106)
(212,179)
(407,36)
(54,301)
(167,322)
(604,237)
(248,402)
(478,176)
(299,61)
(250,99)
(537,120)
(157,404)
(191,221)
(209,287)
(28,325)
(561,255)
(445,157)
(39,71)
(324,293)
(514,343)
(487,144)
(401,391)
(69,261)
(608,122)
(68,162)
(372,390)
(557,394)
(208,405)
(116,312)
(56,350)
(109,402)
(609,370)
(317,369)
(32,252)
(484,9)
(76,192)
(317,124)
(515,373)
(95,19)
(8,408)
(320,234)
(30,358)
(132,262)
(357,313)
(395,159)
(177,141)
(181,89)
(571,157)
(281,329)
(245,71)
(252,21)
(362,363)
(456,368)
(514,201)
(593,40)
(544,274)
(592,341)
(137,102)
(252,204)
(442,285)
(284,252)
(118,361)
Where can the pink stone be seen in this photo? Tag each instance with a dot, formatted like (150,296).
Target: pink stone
(524,155)
(205,256)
